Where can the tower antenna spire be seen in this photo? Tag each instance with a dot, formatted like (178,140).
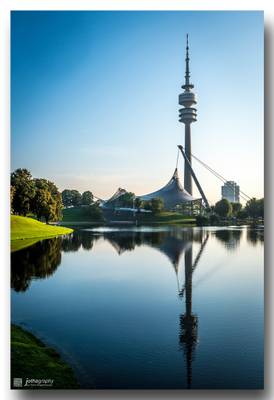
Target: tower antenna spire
(187,75)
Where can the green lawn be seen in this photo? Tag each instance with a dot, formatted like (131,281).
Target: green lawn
(167,217)
(78,215)
(75,214)
(31,359)
(29,228)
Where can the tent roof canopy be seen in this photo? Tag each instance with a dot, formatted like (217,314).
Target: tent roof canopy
(172,193)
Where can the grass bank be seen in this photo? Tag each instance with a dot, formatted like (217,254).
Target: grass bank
(78,216)
(167,217)
(28,228)
(162,218)
(75,214)
(31,359)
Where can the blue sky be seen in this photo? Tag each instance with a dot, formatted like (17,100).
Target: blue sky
(94,97)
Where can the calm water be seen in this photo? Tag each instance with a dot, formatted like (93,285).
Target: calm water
(148,308)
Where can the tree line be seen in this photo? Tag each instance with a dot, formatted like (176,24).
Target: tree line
(36,196)
(225,210)
(73,198)
(129,199)
(42,199)
(254,208)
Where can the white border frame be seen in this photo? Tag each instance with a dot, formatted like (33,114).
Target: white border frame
(5,7)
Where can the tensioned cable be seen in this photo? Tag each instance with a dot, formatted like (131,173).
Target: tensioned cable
(243,195)
(217,174)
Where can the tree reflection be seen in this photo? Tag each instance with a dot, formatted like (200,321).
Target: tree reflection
(72,243)
(42,259)
(178,245)
(78,239)
(255,236)
(229,238)
(38,261)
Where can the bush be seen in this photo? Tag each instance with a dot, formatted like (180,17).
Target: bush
(214,219)
(94,212)
(156,205)
(223,208)
(202,220)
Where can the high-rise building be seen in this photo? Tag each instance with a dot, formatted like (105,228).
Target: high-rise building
(187,115)
(231,192)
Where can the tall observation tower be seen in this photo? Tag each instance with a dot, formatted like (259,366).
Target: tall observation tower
(187,115)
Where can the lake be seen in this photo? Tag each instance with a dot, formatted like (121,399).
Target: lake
(148,308)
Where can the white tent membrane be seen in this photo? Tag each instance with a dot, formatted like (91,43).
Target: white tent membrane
(172,193)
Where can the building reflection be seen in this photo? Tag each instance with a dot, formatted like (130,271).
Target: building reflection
(183,248)
(177,245)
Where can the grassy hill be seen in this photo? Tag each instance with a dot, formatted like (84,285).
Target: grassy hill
(80,215)
(167,217)
(28,228)
(31,359)
(73,214)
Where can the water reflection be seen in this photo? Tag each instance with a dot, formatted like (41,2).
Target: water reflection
(38,261)
(185,251)
(72,243)
(42,259)
(255,236)
(188,336)
(229,238)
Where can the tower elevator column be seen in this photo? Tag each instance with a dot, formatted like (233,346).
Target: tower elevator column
(187,115)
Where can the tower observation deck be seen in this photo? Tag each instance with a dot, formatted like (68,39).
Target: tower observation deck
(187,115)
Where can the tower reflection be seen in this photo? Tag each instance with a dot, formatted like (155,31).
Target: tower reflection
(42,259)
(176,244)
(188,335)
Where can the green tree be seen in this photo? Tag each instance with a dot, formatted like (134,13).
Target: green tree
(43,205)
(147,204)
(157,205)
(47,202)
(67,197)
(126,200)
(94,212)
(24,191)
(56,195)
(76,198)
(87,198)
(261,208)
(12,193)
(242,214)
(223,208)
(255,208)
(236,207)
(138,203)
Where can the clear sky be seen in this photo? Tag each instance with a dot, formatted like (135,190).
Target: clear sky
(94,97)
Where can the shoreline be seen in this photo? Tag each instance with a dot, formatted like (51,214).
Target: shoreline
(51,370)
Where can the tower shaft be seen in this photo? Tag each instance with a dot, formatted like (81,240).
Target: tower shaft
(187,172)
(187,115)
